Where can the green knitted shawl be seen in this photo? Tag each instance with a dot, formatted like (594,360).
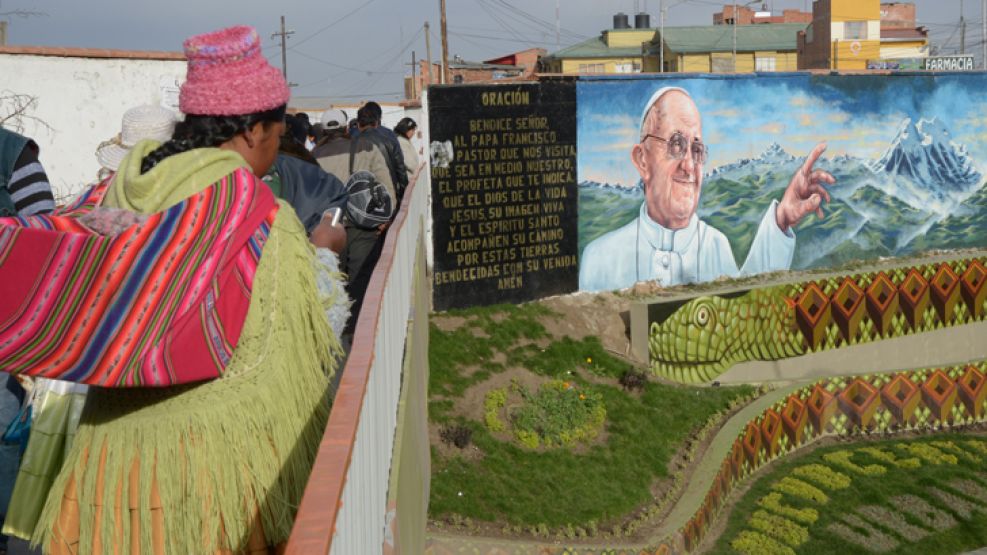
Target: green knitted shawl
(225,451)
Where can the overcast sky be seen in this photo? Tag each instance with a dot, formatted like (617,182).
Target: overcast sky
(350,50)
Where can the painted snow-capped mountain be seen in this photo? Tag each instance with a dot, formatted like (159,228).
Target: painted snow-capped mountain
(925,153)
(772,156)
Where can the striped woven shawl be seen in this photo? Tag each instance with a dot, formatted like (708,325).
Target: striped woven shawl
(158,303)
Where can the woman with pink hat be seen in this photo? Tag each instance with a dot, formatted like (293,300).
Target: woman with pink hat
(196,313)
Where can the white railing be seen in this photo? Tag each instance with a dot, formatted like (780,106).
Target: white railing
(344,506)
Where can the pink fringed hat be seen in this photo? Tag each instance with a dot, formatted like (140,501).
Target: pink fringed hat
(228,76)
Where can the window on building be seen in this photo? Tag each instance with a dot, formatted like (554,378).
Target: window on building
(592,68)
(765,64)
(628,67)
(855,30)
(721,65)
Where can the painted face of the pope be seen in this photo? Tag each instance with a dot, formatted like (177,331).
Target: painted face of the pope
(670,159)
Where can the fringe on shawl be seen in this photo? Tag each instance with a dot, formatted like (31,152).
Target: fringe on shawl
(222,454)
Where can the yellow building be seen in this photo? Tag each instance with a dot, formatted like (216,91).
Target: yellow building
(614,51)
(897,43)
(710,48)
(844,34)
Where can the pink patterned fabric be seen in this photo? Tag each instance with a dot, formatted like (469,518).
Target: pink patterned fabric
(158,300)
(228,76)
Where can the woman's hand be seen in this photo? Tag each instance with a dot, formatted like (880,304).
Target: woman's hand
(328,236)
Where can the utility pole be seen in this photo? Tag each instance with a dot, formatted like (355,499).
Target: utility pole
(428,52)
(661,45)
(284,47)
(983,31)
(735,37)
(3,33)
(414,74)
(558,27)
(445,42)
(962,30)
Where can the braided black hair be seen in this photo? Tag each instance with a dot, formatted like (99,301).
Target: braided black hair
(208,131)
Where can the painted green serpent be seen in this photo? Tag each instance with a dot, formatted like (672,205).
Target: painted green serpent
(707,335)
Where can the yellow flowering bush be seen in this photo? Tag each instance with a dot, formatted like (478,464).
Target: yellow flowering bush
(842,460)
(823,476)
(494,400)
(928,453)
(756,543)
(798,488)
(891,458)
(779,528)
(957,450)
(772,502)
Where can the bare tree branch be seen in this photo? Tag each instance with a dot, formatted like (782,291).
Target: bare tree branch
(15,111)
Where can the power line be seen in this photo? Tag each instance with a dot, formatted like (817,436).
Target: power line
(528,18)
(529,41)
(332,64)
(334,23)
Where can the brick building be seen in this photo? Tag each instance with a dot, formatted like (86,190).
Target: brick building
(747,16)
(515,66)
(898,15)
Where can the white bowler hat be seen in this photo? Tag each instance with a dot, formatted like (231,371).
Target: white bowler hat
(143,122)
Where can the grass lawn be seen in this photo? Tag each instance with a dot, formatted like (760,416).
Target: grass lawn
(519,486)
(921,496)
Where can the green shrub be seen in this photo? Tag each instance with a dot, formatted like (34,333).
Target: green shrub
(492,403)
(558,414)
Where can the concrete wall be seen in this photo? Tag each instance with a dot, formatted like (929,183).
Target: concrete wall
(81,97)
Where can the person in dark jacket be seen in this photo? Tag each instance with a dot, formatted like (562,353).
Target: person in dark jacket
(24,186)
(311,192)
(309,189)
(24,191)
(388,143)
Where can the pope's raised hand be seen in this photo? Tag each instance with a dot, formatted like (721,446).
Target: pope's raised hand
(805,192)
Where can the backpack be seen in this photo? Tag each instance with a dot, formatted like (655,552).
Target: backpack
(369,205)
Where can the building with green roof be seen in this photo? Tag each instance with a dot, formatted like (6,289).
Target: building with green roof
(704,48)
(614,51)
(709,48)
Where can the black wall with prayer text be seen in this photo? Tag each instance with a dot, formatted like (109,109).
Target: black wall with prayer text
(504,196)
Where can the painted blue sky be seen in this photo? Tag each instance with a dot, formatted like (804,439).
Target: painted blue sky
(742,115)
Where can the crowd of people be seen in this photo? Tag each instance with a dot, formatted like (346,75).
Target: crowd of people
(169,339)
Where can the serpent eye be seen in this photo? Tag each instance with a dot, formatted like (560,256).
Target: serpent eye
(703,315)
